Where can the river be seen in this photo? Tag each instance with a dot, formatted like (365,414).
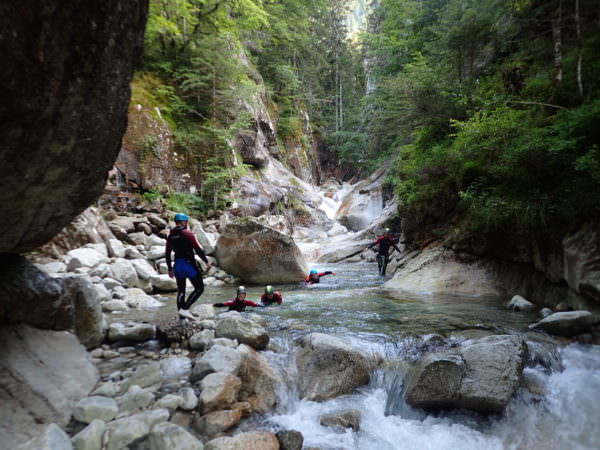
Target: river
(350,306)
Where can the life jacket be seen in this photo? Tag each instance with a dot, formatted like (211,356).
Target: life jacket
(181,245)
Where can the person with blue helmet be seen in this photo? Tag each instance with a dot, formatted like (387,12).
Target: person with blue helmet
(315,276)
(183,242)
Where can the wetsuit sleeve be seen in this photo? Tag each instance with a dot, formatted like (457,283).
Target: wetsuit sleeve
(168,256)
(190,237)
(250,303)
(375,243)
(325,273)
(278,298)
(263,298)
(394,245)
(222,305)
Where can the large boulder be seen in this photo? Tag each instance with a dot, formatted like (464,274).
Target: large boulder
(136,298)
(31,296)
(218,391)
(328,367)
(567,323)
(44,374)
(217,422)
(481,375)
(84,257)
(233,326)
(518,303)
(120,433)
(90,438)
(217,359)
(52,438)
(64,109)
(255,440)
(131,331)
(260,382)
(95,408)
(259,254)
(207,241)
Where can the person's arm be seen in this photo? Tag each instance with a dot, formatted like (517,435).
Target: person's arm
(394,245)
(322,274)
(168,258)
(223,305)
(251,303)
(190,237)
(375,243)
(278,298)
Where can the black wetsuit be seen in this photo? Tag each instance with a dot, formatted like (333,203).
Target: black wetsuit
(385,243)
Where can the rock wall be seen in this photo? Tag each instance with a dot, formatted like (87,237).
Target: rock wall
(65,89)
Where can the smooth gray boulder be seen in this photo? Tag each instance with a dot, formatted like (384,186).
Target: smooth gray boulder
(52,438)
(44,373)
(290,440)
(84,257)
(114,306)
(202,340)
(95,408)
(90,438)
(204,311)
(256,440)
(120,433)
(116,249)
(482,375)
(259,254)
(567,323)
(168,436)
(328,367)
(347,418)
(163,283)
(169,401)
(190,400)
(145,375)
(137,298)
(518,303)
(143,268)
(175,371)
(131,331)
(135,398)
(233,326)
(217,359)
(124,271)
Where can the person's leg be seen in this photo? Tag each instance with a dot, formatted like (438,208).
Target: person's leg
(379,262)
(384,264)
(180,292)
(198,284)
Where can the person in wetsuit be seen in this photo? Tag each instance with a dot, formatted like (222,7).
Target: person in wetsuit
(271,297)
(315,276)
(385,242)
(239,303)
(183,242)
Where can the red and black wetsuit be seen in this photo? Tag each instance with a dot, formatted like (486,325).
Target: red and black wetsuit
(310,280)
(385,242)
(237,304)
(183,242)
(277,298)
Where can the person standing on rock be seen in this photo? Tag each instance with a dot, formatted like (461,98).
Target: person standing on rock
(385,242)
(271,297)
(239,303)
(183,242)
(315,276)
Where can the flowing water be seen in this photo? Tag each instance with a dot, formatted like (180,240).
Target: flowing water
(350,306)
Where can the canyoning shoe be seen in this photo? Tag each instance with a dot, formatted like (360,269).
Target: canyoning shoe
(186,314)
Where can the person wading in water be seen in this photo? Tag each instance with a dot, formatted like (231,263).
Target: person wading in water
(183,242)
(385,242)
(271,297)
(239,303)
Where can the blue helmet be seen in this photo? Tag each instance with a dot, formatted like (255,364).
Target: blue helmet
(313,272)
(179,217)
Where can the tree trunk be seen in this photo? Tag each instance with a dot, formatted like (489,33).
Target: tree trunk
(580,48)
(557,40)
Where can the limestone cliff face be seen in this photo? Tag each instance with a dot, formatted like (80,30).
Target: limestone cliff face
(65,90)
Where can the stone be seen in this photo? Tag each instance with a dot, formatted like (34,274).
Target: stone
(136,298)
(143,227)
(157,221)
(204,311)
(124,271)
(88,323)
(100,247)
(518,303)
(133,253)
(258,319)
(216,422)
(481,375)
(210,325)
(52,438)
(190,400)
(144,270)
(114,306)
(580,261)
(84,257)
(259,254)
(116,249)
(119,292)
(260,382)
(567,323)
(255,440)
(135,398)
(108,389)
(175,371)
(95,408)
(139,238)
(202,340)
(545,312)
(52,267)
(145,375)
(218,391)
(156,252)
(169,401)
(217,359)
(120,433)
(102,294)
(45,373)
(90,438)
(168,436)
(328,367)
(207,241)
(246,331)
(290,440)
(131,332)
(163,283)
(348,418)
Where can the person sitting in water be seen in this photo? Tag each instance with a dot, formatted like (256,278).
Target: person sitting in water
(315,276)
(239,303)
(271,297)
